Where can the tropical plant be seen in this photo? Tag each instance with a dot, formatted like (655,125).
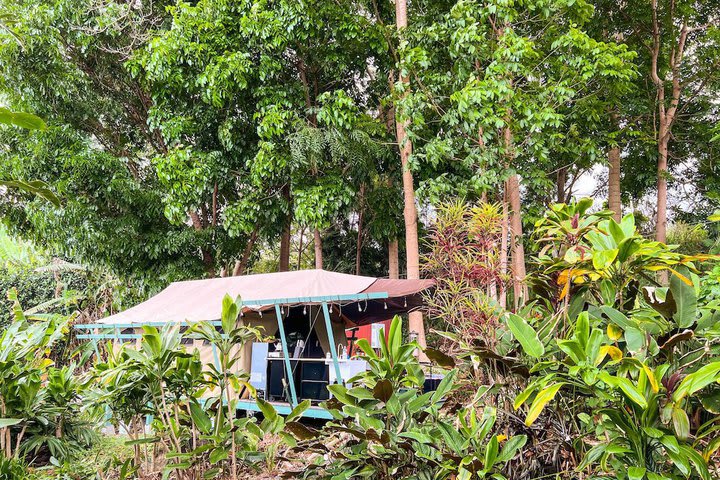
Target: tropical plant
(464,258)
(582,251)
(638,361)
(192,406)
(39,404)
(384,425)
(227,380)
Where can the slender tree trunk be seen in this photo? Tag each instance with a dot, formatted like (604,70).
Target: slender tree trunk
(517,251)
(241,265)
(360,228)
(301,247)
(207,258)
(318,249)
(502,294)
(393,259)
(561,184)
(614,183)
(358,249)
(412,247)
(666,111)
(284,262)
(661,226)
(512,188)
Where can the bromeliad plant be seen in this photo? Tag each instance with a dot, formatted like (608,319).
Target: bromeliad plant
(384,426)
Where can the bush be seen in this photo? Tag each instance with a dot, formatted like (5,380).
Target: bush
(385,427)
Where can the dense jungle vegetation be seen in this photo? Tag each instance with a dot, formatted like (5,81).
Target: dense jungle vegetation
(551,164)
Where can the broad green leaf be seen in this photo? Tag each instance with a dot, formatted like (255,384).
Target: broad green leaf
(633,394)
(542,399)
(634,340)
(21,119)
(9,422)
(340,392)
(417,436)
(603,259)
(200,418)
(298,411)
(681,423)
(511,447)
(526,335)
(636,473)
(267,410)
(491,451)
(445,386)
(685,300)
(698,380)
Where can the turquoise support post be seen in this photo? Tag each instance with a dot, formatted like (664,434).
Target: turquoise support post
(215,357)
(288,367)
(331,339)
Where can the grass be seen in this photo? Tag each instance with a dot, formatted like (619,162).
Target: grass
(86,464)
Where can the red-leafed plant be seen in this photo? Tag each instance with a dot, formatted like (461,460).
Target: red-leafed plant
(464,257)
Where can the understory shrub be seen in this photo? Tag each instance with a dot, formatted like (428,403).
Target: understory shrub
(43,417)
(385,427)
(194,430)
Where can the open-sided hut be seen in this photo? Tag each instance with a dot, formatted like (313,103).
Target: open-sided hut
(308,312)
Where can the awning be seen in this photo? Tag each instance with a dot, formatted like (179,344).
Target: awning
(200,300)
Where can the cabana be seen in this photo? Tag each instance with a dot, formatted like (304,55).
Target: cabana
(308,313)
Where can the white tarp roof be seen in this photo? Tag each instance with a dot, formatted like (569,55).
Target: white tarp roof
(199,300)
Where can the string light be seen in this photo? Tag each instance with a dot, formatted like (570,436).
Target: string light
(385,303)
(331,305)
(304,310)
(359,308)
(405,304)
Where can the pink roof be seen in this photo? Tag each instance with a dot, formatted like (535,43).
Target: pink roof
(198,300)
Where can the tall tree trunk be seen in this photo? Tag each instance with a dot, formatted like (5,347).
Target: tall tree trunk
(393,259)
(512,189)
(284,261)
(412,247)
(318,249)
(207,258)
(360,227)
(666,111)
(502,294)
(517,251)
(561,184)
(662,172)
(358,248)
(241,265)
(614,183)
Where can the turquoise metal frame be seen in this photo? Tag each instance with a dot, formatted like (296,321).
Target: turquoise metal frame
(286,356)
(277,303)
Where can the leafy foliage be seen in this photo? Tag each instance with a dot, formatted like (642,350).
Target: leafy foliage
(384,426)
